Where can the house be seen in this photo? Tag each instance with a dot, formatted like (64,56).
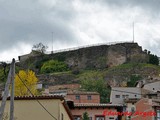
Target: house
(59,92)
(130,106)
(60,89)
(97,111)
(118,94)
(154,86)
(33,53)
(39,108)
(146,109)
(64,87)
(83,97)
(90,102)
(153,95)
(76,95)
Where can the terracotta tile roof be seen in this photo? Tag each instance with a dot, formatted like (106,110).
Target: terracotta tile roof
(82,93)
(80,105)
(36,97)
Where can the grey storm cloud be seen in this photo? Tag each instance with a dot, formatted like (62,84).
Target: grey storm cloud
(77,22)
(151,4)
(31,21)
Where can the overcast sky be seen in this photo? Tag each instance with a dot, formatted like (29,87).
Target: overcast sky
(24,23)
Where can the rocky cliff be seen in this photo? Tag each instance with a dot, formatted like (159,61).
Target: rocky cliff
(95,57)
(102,57)
(98,57)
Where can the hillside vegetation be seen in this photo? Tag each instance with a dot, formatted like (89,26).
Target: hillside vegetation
(117,64)
(96,68)
(116,76)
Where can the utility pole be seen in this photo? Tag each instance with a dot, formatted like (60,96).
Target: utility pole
(12,91)
(6,91)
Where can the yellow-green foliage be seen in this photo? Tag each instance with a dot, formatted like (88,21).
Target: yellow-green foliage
(53,66)
(30,79)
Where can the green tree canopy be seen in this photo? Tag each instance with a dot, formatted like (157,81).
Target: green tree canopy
(53,66)
(96,83)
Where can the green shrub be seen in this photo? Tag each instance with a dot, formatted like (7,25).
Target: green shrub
(133,80)
(53,66)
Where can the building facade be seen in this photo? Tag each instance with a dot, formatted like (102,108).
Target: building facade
(154,86)
(96,111)
(83,97)
(147,109)
(28,108)
(118,94)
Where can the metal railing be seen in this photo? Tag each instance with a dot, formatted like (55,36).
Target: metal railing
(86,46)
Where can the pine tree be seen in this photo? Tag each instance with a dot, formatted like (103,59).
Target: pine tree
(85,116)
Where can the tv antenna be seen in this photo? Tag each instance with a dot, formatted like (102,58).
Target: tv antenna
(52,42)
(133,32)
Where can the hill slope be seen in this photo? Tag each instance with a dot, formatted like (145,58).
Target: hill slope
(117,64)
(94,57)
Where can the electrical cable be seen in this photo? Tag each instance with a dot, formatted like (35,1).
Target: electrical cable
(36,99)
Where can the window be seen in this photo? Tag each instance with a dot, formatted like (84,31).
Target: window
(132,109)
(100,118)
(123,96)
(77,97)
(117,96)
(127,96)
(89,97)
(158,114)
(77,117)
(111,118)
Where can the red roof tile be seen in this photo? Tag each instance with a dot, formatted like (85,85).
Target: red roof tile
(96,105)
(36,97)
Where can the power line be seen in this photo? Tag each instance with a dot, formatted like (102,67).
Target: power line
(122,91)
(35,98)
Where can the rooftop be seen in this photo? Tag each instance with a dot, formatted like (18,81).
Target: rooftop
(82,93)
(36,97)
(80,105)
(131,100)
